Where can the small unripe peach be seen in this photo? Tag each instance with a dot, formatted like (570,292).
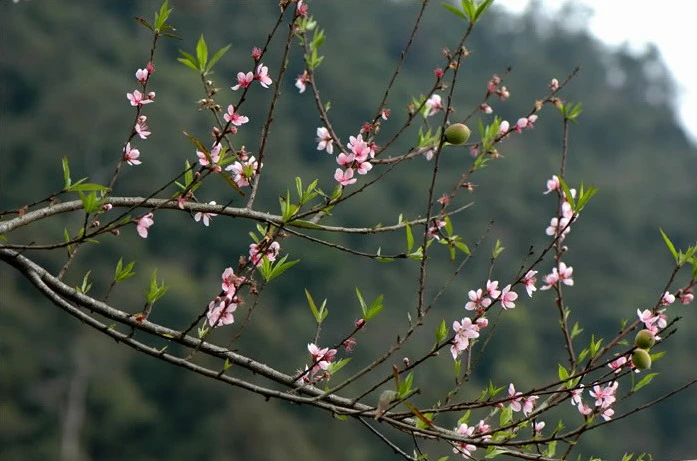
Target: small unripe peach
(457,133)
(645,339)
(641,359)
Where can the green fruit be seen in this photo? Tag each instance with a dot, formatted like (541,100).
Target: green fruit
(641,359)
(457,133)
(644,339)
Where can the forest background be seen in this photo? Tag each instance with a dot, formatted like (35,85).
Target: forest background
(64,70)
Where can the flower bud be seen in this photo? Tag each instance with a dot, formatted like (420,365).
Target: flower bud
(641,359)
(457,134)
(645,339)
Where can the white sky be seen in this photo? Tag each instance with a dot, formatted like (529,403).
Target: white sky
(670,24)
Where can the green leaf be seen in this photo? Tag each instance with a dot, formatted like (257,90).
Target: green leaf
(66,173)
(270,271)
(123,273)
(493,452)
(481,9)
(644,381)
(319,314)
(462,246)
(441,332)
(218,54)
(405,385)
(374,309)
(364,307)
(86,187)
(188,63)
(669,244)
(145,23)
(453,9)
(567,194)
(156,291)
(506,416)
(498,249)
(563,373)
(161,17)
(336,366)
(202,53)
(410,238)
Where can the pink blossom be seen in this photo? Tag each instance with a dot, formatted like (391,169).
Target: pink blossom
(556,225)
(529,281)
(360,148)
(142,128)
(325,140)
(604,396)
(107,206)
(137,98)
(554,84)
(231,282)
(618,363)
(432,231)
(244,171)
(537,428)
(243,80)
(142,75)
(486,108)
(492,289)
(233,117)
(520,124)
(434,104)
(271,252)
(444,199)
(464,448)
(515,402)
(301,8)
(364,167)
(504,127)
(662,321)
(565,274)
(206,217)
(130,156)
(503,93)
(553,184)
(507,297)
(263,75)
(531,121)
(647,317)
(584,409)
(215,157)
(344,178)
(321,357)
(482,322)
(607,413)
(529,404)
(345,160)
(483,429)
(385,113)
(438,72)
(667,299)
(477,300)
(144,222)
(686,296)
(301,81)
(577,395)
(256,53)
(220,312)
(464,331)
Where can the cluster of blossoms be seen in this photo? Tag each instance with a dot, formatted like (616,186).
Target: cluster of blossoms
(560,226)
(321,359)
(482,298)
(604,398)
(141,129)
(357,159)
(519,403)
(494,87)
(261,74)
(220,310)
(480,432)
(257,252)
(464,331)
(523,123)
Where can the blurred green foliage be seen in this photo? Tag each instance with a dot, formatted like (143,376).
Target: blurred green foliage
(65,70)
